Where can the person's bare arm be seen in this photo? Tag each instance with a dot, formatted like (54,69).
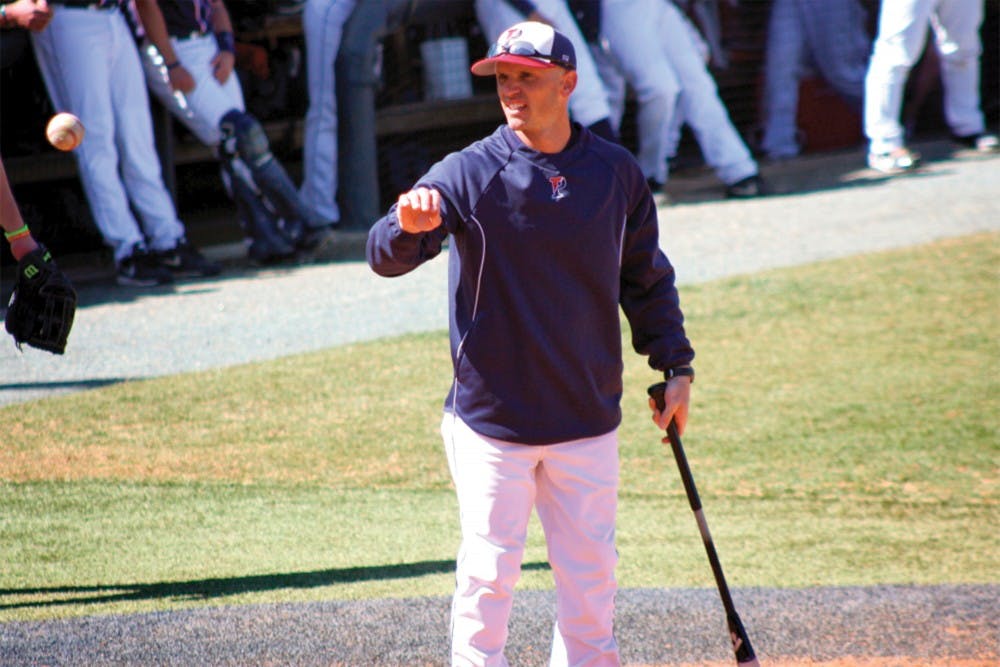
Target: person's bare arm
(156,33)
(225,59)
(11,221)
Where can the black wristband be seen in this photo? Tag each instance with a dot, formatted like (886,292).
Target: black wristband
(226,41)
(679,371)
(173,65)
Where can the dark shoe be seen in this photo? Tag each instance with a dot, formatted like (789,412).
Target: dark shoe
(745,188)
(264,252)
(184,260)
(141,269)
(316,239)
(293,230)
(981,143)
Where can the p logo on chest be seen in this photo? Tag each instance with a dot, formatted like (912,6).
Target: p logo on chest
(559,187)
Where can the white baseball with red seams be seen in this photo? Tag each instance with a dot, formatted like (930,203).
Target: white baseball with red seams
(64,131)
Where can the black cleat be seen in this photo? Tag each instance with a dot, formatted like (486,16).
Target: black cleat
(184,260)
(745,188)
(141,269)
(316,243)
(981,143)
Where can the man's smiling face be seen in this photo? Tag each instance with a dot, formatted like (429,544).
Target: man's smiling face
(533,99)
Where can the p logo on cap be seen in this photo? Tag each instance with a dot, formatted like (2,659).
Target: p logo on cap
(529,44)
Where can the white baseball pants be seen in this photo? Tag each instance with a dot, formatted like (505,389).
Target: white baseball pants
(657,56)
(202,109)
(901,37)
(573,486)
(323,25)
(826,36)
(589,102)
(90,64)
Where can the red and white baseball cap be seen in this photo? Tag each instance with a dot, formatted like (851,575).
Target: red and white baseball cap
(529,44)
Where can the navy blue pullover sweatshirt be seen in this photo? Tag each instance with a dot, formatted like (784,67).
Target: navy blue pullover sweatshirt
(544,250)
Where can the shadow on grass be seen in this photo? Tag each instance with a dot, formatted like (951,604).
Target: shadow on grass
(207,589)
(94,383)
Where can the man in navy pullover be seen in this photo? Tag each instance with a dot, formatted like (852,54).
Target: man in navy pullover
(552,230)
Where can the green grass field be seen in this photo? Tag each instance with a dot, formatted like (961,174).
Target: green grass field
(844,431)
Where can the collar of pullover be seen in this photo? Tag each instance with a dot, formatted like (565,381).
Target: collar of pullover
(576,145)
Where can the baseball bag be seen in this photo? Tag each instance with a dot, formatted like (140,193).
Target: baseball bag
(42,305)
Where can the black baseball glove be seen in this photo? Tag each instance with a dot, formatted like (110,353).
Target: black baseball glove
(43,303)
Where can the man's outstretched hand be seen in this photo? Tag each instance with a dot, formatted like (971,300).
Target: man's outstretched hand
(419,210)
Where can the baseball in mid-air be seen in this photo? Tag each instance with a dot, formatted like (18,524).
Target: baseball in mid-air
(64,131)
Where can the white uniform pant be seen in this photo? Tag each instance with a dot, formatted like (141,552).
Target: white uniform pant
(654,50)
(202,109)
(90,64)
(573,487)
(589,102)
(901,37)
(824,36)
(323,25)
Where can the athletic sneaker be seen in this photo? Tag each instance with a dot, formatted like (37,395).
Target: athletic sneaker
(264,252)
(895,161)
(184,260)
(316,240)
(745,188)
(142,269)
(982,143)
